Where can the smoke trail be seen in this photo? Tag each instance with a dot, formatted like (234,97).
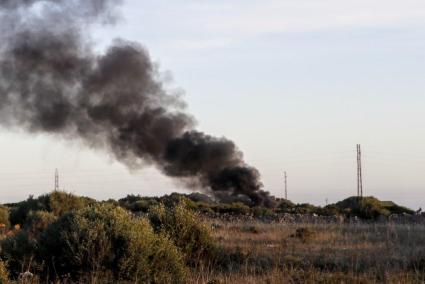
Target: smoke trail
(51,81)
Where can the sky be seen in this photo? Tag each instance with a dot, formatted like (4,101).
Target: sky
(296,85)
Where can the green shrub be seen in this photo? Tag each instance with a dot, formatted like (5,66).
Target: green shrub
(20,249)
(19,252)
(184,227)
(20,211)
(330,210)
(37,222)
(106,242)
(305,208)
(370,207)
(285,206)
(262,212)
(237,208)
(4,275)
(397,209)
(136,203)
(57,202)
(60,202)
(141,206)
(4,216)
(230,260)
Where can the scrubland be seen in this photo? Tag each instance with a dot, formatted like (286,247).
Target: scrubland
(62,238)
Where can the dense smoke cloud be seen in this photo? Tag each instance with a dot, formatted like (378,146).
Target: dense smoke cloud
(51,81)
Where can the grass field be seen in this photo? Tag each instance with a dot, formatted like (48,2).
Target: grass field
(308,253)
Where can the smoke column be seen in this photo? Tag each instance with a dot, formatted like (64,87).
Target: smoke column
(51,81)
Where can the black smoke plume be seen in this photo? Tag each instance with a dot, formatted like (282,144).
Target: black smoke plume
(52,81)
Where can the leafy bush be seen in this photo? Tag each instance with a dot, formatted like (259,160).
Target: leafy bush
(262,212)
(19,250)
(104,242)
(20,211)
(37,222)
(237,208)
(4,216)
(4,275)
(60,202)
(230,260)
(305,208)
(330,210)
(370,207)
(57,202)
(285,206)
(184,227)
(136,203)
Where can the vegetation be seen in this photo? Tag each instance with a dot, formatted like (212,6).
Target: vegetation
(4,217)
(56,202)
(365,208)
(69,238)
(63,238)
(182,226)
(369,207)
(4,275)
(106,242)
(317,253)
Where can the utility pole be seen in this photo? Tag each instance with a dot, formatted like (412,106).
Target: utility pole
(359,172)
(56,180)
(358,184)
(286,186)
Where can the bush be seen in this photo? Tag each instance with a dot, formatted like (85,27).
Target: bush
(184,227)
(106,242)
(237,208)
(285,206)
(330,210)
(37,222)
(20,211)
(19,251)
(263,212)
(20,248)
(4,216)
(230,260)
(4,276)
(136,203)
(57,202)
(370,207)
(305,208)
(60,202)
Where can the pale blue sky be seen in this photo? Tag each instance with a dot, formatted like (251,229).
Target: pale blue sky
(296,84)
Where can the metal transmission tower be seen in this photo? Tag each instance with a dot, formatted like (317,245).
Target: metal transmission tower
(56,180)
(359,172)
(286,186)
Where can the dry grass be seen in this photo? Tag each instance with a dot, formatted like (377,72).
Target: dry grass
(331,253)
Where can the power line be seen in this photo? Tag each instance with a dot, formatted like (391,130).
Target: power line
(286,186)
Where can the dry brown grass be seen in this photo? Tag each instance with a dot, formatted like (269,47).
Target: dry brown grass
(333,253)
